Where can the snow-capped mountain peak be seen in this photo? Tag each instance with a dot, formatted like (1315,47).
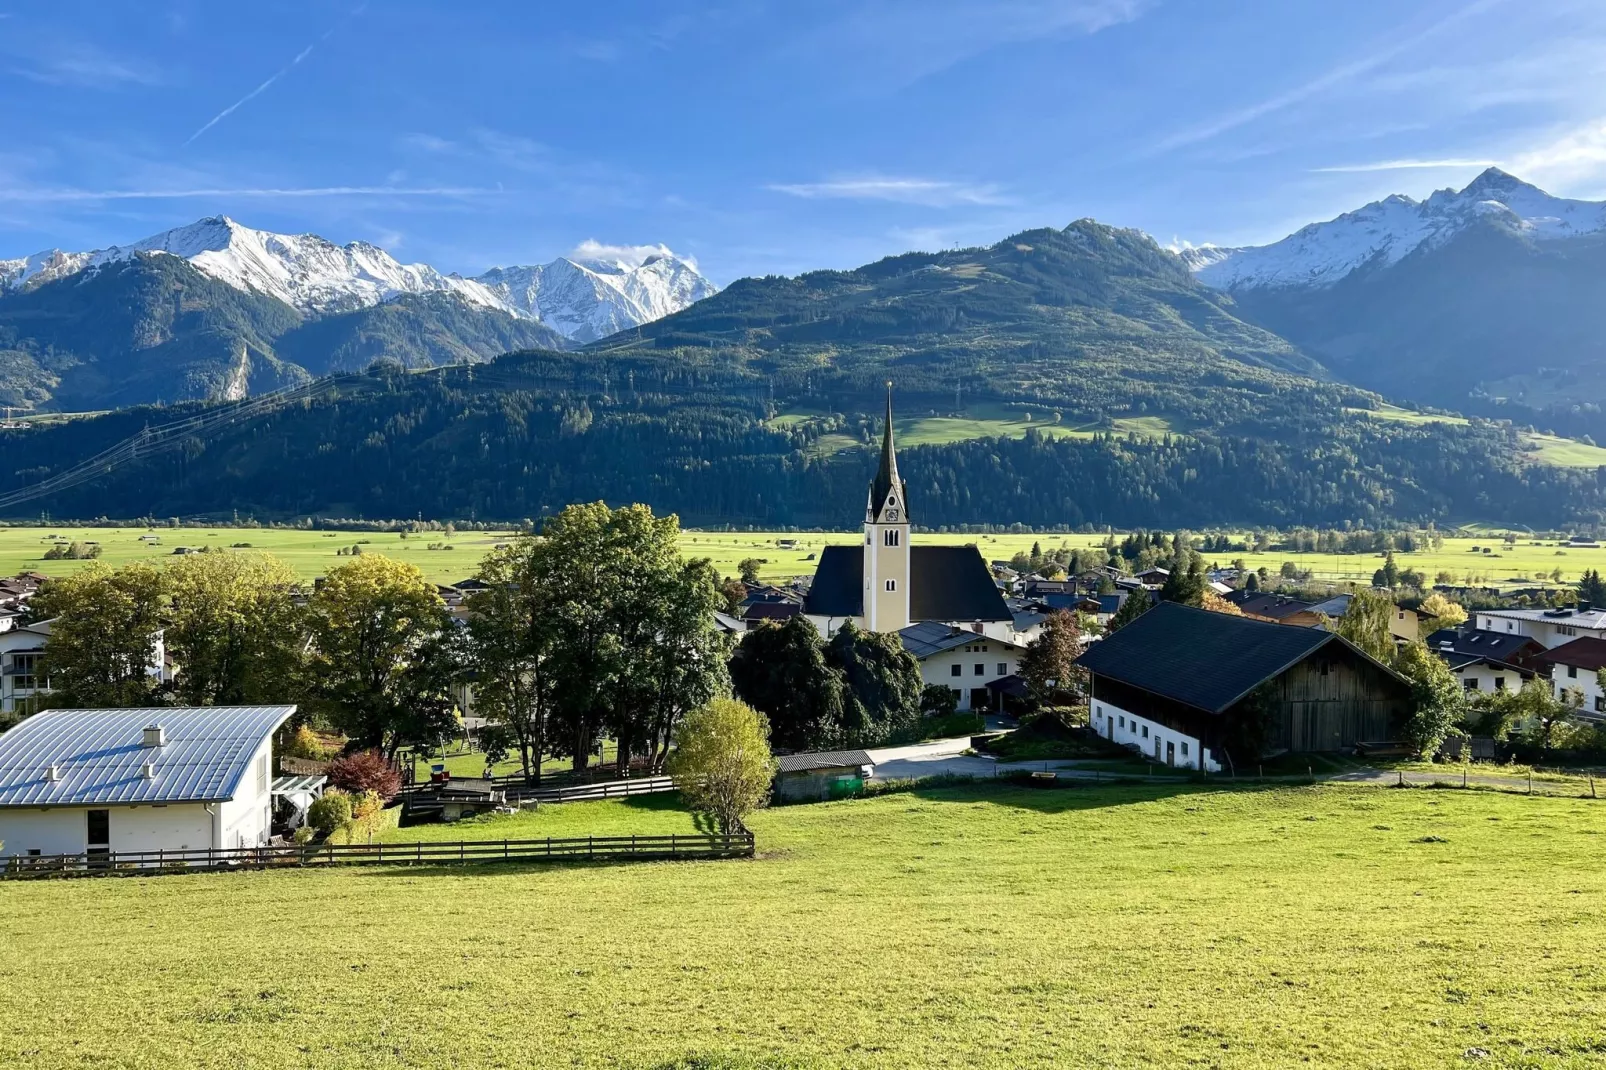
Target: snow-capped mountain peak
(586,296)
(1386,231)
(601,290)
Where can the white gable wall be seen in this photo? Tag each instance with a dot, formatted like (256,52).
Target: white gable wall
(990,654)
(245,819)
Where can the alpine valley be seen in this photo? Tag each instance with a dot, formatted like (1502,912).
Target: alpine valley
(1407,362)
(217,311)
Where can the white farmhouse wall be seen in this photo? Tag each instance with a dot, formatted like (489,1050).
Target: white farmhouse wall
(151,827)
(1482,677)
(1547,633)
(49,831)
(1149,738)
(245,819)
(990,654)
(1584,682)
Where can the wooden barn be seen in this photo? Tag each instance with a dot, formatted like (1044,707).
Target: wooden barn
(1197,689)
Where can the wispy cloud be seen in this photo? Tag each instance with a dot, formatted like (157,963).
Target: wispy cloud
(629,255)
(280,73)
(893,43)
(69,195)
(88,68)
(1401,165)
(1337,76)
(927,192)
(1578,154)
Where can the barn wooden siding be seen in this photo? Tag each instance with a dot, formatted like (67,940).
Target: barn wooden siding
(1333,700)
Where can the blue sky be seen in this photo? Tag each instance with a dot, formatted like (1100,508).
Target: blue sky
(774,137)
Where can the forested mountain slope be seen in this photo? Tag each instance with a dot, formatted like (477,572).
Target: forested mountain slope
(1148,401)
(152,327)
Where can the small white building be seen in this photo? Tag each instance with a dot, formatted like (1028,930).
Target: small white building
(962,660)
(1547,627)
(110,781)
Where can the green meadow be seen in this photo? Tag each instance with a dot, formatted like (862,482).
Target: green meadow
(784,554)
(963,926)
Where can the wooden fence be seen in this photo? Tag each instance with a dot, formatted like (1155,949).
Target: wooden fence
(580,848)
(517,791)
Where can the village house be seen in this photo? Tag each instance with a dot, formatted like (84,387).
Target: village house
(1547,627)
(1196,689)
(885,584)
(1573,667)
(21,662)
(961,660)
(1486,661)
(94,782)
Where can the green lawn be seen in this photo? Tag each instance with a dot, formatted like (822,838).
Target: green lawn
(641,815)
(964,926)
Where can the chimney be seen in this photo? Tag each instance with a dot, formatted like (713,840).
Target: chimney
(155,736)
(148,770)
(1583,605)
(53,774)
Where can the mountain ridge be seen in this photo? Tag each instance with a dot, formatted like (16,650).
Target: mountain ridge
(317,276)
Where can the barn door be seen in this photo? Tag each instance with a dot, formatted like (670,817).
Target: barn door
(98,842)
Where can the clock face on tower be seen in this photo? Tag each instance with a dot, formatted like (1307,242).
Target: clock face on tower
(892,515)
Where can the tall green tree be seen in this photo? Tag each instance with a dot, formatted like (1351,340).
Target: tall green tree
(782,671)
(1366,624)
(385,656)
(1591,588)
(1438,699)
(234,629)
(881,696)
(508,638)
(105,632)
(1048,666)
(1133,606)
(675,659)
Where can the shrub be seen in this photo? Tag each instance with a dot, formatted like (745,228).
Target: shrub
(365,771)
(330,811)
(306,743)
(938,700)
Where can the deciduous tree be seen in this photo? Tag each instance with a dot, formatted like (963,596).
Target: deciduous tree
(881,696)
(722,761)
(1366,624)
(1047,665)
(782,671)
(384,654)
(106,626)
(234,629)
(1438,701)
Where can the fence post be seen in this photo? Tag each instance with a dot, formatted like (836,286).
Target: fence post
(461,848)
(1592,794)
(1530,782)
(1401,773)
(672,844)
(1463,776)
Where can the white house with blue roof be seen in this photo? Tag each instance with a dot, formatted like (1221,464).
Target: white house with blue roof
(109,781)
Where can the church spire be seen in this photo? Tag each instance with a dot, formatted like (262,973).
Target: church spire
(887,484)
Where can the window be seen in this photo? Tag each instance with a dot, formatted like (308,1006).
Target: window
(892,585)
(262,774)
(981,670)
(1499,683)
(1184,750)
(1572,671)
(22,672)
(890,538)
(1003,668)
(1471,683)
(956,669)
(1145,731)
(1122,720)
(1600,703)
(100,826)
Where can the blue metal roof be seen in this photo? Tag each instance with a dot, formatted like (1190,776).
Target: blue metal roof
(102,761)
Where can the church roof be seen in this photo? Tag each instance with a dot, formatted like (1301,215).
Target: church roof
(946,583)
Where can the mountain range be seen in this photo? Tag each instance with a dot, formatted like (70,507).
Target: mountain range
(312,308)
(1060,377)
(1489,299)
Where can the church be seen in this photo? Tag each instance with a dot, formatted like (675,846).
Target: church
(886,584)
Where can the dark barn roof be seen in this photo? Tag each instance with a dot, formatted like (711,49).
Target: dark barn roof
(827,759)
(945,583)
(1586,653)
(1203,659)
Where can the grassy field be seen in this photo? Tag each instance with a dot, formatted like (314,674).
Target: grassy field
(989,420)
(641,815)
(962,926)
(312,553)
(1542,449)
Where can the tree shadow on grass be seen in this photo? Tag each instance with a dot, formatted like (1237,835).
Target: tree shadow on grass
(1064,795)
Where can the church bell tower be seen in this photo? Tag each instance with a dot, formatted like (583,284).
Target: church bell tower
(886,542)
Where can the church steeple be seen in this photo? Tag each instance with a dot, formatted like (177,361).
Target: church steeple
(886,542)
(887,504)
